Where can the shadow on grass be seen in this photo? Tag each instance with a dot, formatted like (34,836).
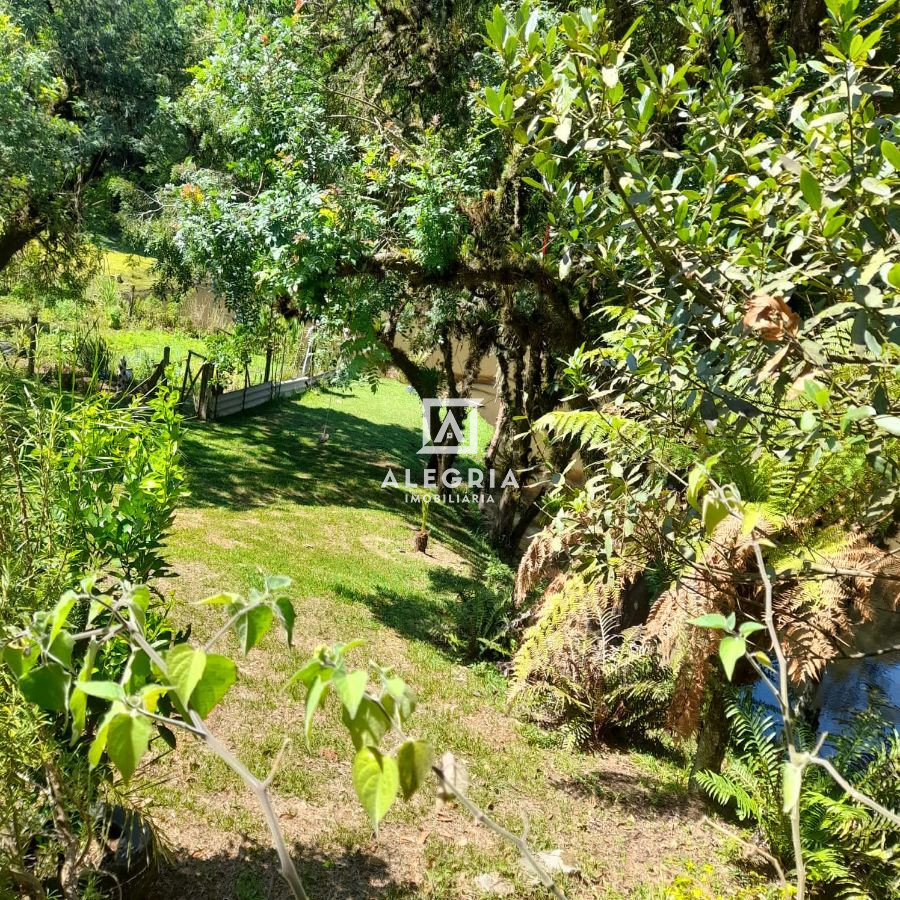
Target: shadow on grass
(416,616)
(639,795)
(252,873)
(274,453)
(411,615)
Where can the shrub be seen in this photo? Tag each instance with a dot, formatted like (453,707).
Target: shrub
(847,848)
(92,354)
(577,669)
(482,615)
(82,486)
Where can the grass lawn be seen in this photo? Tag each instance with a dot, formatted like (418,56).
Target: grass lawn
(132,268)
(267,497)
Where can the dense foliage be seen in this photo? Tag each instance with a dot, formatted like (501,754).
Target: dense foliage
(80,106)
(677,235)
(847,848)
(85,486)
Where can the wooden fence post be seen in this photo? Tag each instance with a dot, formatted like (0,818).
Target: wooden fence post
(165,365)
(268,373)
(203,398)
(32,344)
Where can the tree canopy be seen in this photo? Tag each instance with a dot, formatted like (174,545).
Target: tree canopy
(84,97)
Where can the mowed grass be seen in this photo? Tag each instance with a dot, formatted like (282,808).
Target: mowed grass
(268,497)
(132,268)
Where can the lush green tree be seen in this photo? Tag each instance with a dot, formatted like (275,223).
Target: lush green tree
(632,173)
(83,88)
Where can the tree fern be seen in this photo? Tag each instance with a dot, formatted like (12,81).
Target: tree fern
(577,668)
(846,847)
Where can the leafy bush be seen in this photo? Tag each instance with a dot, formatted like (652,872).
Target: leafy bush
(483,614)
(92,354)
(83,485)
(847,847)
(232,352)
(580,671)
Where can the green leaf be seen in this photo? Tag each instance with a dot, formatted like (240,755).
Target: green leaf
(697,478)
(98,745)
(856,414)
(105,690)
(563,130)
(61,613)
(47,686)
(276,583)
(810,189)
(78,699)
(21,655)
(791,782)
(874,186)
(219,674)
(127,740)
(185,666)
(891,152)
(891,424)
(376,779)
(350,687)
(714,511)
(748,628)
(307,673)
(251,628)
(398,699)
(731,649)
(368,726)
(893,276)
(140,596)
(62,647)
(287,615)
(219,600)
(710,620)
(414,763)
(314,699)
(808,421)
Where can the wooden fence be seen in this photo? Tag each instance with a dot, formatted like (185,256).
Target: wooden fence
(200,395)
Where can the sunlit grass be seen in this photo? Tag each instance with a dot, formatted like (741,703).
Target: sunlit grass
(268,497)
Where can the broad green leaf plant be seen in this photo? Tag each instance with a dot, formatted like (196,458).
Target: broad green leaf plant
(114,712)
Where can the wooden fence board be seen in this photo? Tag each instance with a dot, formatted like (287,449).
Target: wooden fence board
(233,402)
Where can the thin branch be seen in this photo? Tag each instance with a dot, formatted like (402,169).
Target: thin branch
(858,796)
(259,788)
(755,848)
(484,819)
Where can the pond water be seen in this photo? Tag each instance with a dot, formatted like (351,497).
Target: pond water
(846,686)
(846,689)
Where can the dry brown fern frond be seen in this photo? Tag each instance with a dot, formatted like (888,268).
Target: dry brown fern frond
(708,587)
(714,585)
(817,614)
(543,559)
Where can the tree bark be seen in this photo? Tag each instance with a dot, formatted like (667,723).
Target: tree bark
(712,739)
(562,319)
(16,238)
(805,26)
(755,38)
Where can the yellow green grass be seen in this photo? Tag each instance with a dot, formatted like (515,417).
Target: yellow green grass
(268,497)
